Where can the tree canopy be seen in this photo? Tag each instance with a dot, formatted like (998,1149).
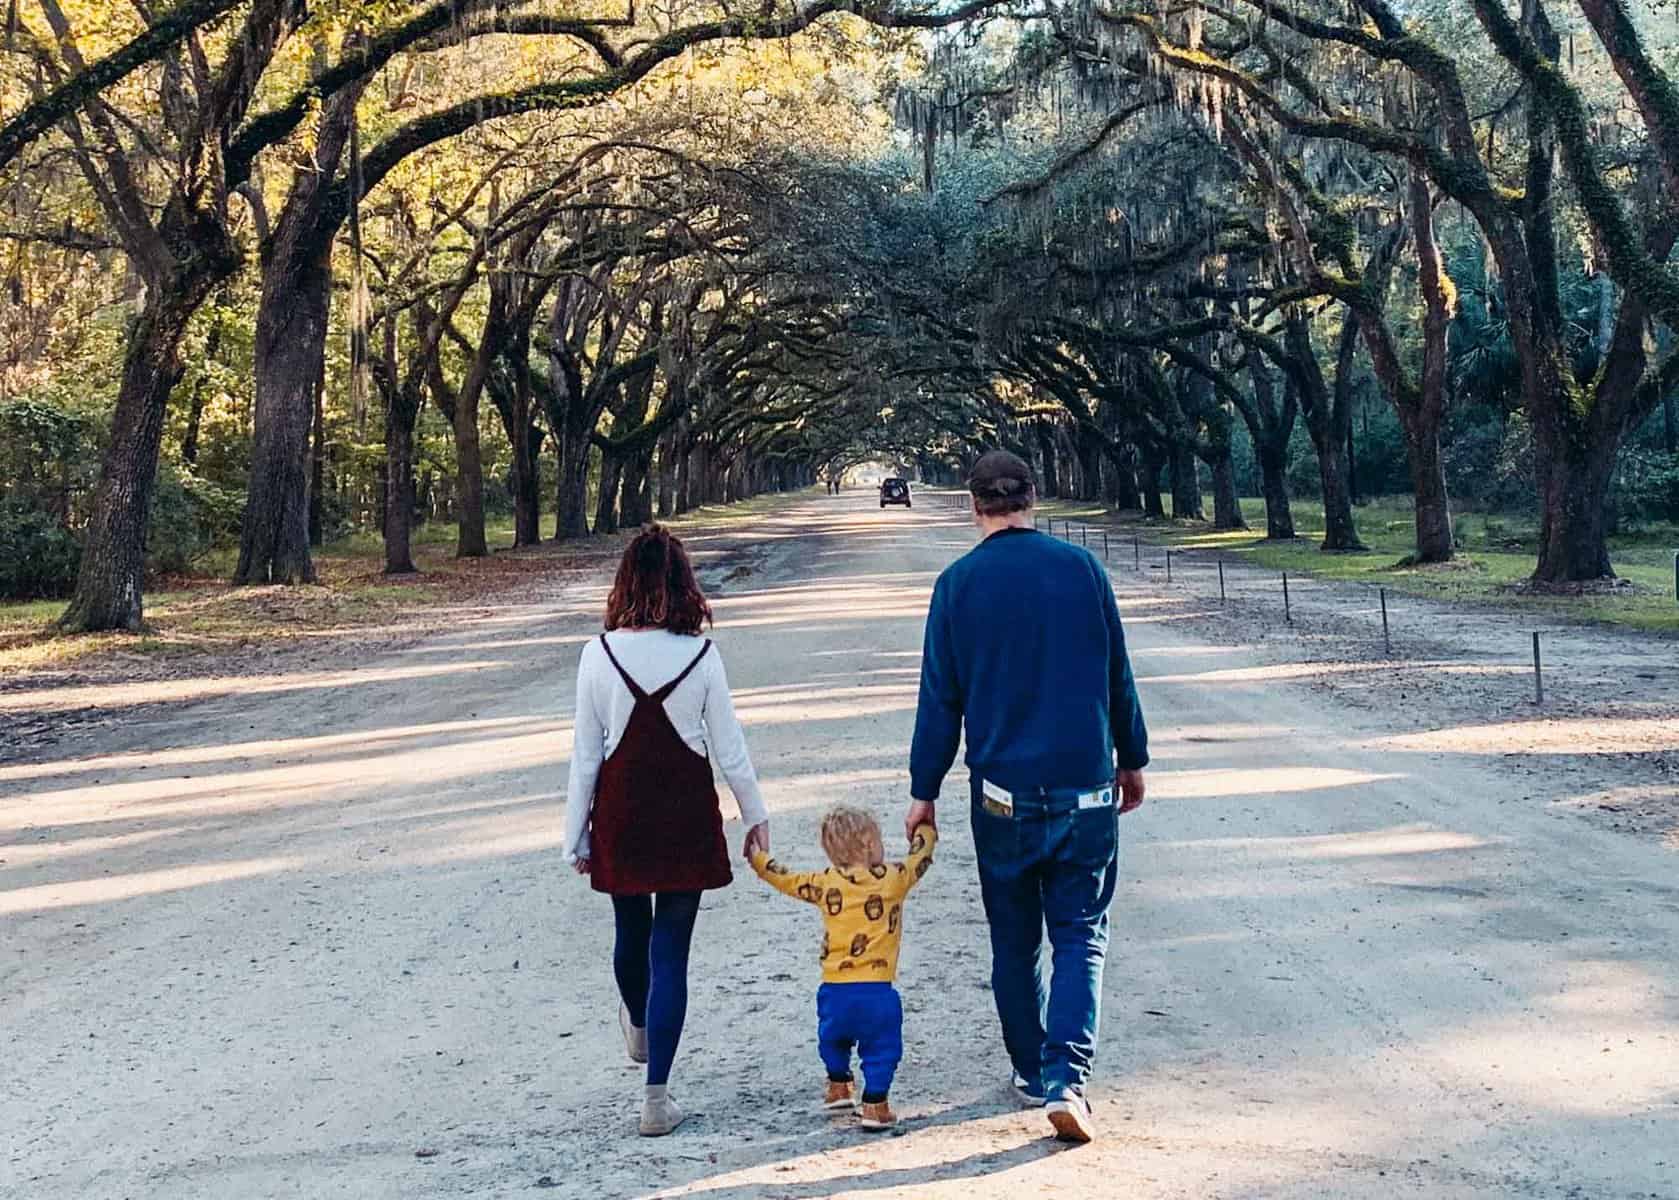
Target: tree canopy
(282,253)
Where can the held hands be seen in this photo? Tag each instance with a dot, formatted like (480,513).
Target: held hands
(920,813)
(757,838)
(580,865)
(1131,790)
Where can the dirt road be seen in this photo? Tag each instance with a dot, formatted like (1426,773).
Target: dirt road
(309,936)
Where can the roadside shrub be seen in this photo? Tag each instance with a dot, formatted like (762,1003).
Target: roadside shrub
(189,518)
(1645,488)
(48,459)
(38,556)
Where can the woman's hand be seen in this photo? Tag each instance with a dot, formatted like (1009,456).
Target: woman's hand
(580,865)
(757,838)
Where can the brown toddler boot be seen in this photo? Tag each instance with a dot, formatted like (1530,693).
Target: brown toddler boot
(841,1096)
(877,1116)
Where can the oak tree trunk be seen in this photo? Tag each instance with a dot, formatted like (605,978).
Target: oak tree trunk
(1428,482)
(291,331)
(108,585)
(1186,483)
(400,419)
(1227,505)
(606,499)
(1573,512)
(1273,482)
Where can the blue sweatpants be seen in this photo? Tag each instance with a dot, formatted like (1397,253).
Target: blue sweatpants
(868,1017)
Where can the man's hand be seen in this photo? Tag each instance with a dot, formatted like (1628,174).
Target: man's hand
(757,838)
(1131,789)
(920,813)
(581,866)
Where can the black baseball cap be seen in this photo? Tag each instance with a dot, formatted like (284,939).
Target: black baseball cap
(1000,475)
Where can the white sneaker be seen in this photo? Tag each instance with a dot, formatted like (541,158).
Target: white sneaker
(1070,1114)
(635,1037)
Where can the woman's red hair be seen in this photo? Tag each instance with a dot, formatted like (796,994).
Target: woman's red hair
(655,587)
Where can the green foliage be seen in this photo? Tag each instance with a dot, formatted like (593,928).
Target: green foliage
(189,518)
(38,556)
(46,463)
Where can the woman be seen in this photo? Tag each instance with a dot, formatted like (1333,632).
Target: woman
(642,815)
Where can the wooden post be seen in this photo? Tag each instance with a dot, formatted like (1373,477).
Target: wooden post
(1136,553)
(1288,612)
(1168,566)
(1538,674)
(1221,581)
(1387,642)
(1105,554)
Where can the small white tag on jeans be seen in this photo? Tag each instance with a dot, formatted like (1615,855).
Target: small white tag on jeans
(998,796)
(1100,798)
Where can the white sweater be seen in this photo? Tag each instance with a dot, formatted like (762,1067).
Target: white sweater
(700,709)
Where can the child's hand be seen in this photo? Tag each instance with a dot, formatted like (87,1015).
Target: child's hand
(757,838)
(920,813)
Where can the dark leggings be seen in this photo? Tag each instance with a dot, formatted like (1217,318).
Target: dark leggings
(650,959)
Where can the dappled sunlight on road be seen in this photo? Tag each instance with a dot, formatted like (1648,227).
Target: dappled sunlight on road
(1167,783)
(258,748)
(1550,735)
(291,782)
(1344,964)
(119,695)
(1312,670)
(837,704)
(1363,844)
(106,888)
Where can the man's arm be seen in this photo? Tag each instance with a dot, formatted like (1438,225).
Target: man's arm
(1125,710)
(938,711)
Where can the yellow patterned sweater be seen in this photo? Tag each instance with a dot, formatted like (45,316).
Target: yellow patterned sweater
(863,909)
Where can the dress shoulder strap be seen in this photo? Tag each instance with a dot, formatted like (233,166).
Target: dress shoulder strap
(635,688)
(688,670)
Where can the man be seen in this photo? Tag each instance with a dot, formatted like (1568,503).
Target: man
(1024,646)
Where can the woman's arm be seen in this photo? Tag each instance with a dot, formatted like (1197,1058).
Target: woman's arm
(588,748)
(727,741)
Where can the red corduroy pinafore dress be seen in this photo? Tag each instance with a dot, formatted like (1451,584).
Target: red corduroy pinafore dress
(656,825)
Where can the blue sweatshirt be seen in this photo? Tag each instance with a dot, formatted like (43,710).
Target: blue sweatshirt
(1024,643)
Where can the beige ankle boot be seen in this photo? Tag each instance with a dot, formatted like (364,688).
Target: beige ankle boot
(659,1114)
(635,1037)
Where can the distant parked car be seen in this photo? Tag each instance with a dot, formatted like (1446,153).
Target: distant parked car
(895,491)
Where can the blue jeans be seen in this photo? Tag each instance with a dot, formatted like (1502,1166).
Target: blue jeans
(1051,865)
(869,1017)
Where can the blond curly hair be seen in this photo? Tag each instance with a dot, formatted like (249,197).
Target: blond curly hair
(851,838)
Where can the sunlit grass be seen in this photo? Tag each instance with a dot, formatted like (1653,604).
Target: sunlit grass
(1496,554)
(204,613)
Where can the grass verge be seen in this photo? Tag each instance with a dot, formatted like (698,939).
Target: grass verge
(203,613)
(1496,554)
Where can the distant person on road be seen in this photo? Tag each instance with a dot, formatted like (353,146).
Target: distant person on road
(862,901)
(642,816)
(1025,649)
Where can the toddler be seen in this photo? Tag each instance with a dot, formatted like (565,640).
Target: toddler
(862,901)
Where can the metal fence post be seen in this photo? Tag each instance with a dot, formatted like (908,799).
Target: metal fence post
(1105,553)
(1221,581)
(1538,674)
(1168,566)
(1387,642)
(1288,612)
